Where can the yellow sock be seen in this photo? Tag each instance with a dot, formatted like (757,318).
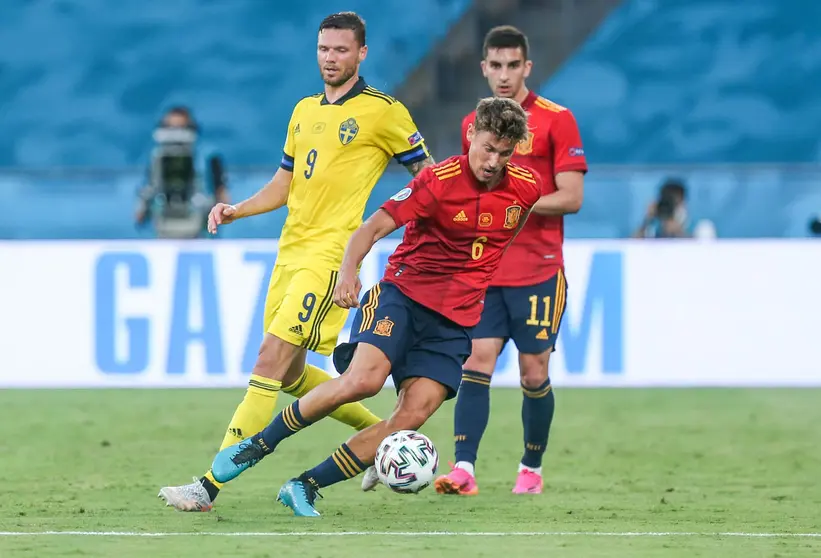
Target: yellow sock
(353,414)
(254,413)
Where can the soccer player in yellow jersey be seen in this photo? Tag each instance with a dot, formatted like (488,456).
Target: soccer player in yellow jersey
(337,146)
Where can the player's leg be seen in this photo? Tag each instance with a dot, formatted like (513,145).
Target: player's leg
(472,411)
(355,415)
(296,318)
(367,361)
(323,320)
(280,353)
(419,398)
(538,319)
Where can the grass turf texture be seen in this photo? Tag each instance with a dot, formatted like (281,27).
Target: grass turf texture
(619,461)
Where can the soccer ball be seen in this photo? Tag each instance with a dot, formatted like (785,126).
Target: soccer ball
(406,461)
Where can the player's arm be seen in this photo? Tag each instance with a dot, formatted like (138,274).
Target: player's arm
(416,168)
(412,203)
(399,136)
(272,196)
(570,166)
(566,199)
(378,226)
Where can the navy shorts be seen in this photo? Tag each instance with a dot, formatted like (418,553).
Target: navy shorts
(417,341)
(531,316)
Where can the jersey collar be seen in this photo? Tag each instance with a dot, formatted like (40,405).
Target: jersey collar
(529,100)
(358,88)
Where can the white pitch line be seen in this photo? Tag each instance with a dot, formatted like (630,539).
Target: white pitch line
(406,534)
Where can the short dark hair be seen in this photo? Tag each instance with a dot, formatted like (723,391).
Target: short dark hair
(346,20)
(674,186)
(505,36)
(185,112)
(504,118)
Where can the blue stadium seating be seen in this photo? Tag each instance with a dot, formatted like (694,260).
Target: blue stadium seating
(679,81)
(83,82)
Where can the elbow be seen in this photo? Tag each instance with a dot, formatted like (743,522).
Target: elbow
(575,206)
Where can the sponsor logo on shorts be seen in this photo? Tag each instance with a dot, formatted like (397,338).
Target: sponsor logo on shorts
(542,335)
(296,329)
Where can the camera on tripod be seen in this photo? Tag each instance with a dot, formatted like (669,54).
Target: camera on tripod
(174,195)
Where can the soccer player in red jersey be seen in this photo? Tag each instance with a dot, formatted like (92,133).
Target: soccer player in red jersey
(415,324)
(526,299)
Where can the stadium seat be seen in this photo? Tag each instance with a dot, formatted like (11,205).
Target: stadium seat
(698,81)
(91,93)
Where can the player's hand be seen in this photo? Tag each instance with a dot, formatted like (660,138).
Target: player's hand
(346,293)
(221,214)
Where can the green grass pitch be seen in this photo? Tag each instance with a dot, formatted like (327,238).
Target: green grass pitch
(687,472)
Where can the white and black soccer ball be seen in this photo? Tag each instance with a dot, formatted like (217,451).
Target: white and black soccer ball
(406,461)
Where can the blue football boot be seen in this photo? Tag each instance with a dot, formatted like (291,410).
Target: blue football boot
(233,460)
(300,496)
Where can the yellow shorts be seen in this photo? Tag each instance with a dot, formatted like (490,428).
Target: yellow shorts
(299,307)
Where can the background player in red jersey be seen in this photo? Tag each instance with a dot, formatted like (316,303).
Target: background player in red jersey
(526,299)
(414,325)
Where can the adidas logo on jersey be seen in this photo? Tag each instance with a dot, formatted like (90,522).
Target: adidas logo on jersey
(542,335)
(460,217)
(296,329)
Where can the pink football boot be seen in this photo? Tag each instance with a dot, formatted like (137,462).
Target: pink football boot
(458,481)
(528,482)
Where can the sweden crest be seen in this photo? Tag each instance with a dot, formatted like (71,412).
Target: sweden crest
(348,131)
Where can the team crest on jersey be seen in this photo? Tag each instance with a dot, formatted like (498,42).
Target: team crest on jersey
(485,220)
(525,147)
(512,215)
(383,328)
(348,131)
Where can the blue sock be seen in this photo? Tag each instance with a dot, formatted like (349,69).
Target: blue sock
(341,465)
(471,414)
(538,405)
(285,424)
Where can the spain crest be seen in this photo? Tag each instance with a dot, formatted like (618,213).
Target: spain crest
(512,215)
(348,130)
(383,328)
(525,147)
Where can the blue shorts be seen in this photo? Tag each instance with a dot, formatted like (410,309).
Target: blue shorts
(417,341)
(531,316)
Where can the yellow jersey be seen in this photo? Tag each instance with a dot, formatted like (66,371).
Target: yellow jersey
(337,152)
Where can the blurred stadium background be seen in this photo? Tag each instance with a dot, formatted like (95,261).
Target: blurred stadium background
(723,95)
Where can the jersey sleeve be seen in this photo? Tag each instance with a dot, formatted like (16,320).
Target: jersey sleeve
(415,202)
(289,151)
(466,121)
(399,136)
(568,153)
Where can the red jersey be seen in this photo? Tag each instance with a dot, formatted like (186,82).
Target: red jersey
(553,145)
(457,231)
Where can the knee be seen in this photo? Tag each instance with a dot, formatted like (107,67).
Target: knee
(417,404)
(533,370)
(483,355)
(409,418)
(274,358)
(362,382)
